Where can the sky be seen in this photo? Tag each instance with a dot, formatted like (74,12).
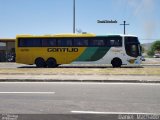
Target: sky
(39,17)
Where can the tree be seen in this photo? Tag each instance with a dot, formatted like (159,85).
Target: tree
(154,48)
(150,52)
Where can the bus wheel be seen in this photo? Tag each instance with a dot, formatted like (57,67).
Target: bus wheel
(116,62)
(40,62)
(51,63)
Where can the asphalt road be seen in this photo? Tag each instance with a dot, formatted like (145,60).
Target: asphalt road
(15,65)
(78,98)
(150,62)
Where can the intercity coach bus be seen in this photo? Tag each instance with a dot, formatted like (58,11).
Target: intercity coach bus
(53,50)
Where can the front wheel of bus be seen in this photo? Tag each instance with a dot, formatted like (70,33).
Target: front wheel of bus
(116,62)
(51,63)
(40,62)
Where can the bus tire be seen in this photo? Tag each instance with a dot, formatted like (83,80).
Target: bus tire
(51,63)
(116,62)
(40,62)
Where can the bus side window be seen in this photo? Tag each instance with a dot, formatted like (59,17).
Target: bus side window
(118,42)
(30,42)
(49,42)
(80,42)
(44,43)
(52,42)
(114,41)
(21,42)
(65,42)
(101,43)
(96,42)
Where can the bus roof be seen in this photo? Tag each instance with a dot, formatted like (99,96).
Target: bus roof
(59,35)
(70,35)
(122,35)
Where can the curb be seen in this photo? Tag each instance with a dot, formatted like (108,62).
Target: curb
(158,75)
(150,65)
(94,81)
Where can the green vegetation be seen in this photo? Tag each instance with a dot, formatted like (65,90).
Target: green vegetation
(150,52)
(154,48)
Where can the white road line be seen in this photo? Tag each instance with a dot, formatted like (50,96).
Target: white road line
(27,92)
(96,112)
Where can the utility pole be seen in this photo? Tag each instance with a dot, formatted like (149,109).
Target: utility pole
(74,9)
(124,24)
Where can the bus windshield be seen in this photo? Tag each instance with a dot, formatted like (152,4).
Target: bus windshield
(132,46)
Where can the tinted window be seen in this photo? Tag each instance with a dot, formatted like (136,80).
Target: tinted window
(97,42)
(132,46)
(81,42)
(132,50)
(49,42)
(131,40)
(29,42)
(68,42)
(114,41)
(65,42)
(21,43)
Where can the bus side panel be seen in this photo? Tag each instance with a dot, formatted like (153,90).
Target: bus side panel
(62,56)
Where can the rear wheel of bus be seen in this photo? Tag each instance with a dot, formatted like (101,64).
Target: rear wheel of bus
(40,62)
(51,63)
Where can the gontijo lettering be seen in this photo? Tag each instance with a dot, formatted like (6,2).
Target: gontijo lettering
(62,49)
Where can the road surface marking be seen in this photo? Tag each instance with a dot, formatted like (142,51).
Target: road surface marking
(96,112)
(27,92)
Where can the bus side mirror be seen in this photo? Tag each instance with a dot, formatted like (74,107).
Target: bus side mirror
(143,59)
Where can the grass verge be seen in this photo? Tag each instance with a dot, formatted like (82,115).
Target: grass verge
(111,71)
